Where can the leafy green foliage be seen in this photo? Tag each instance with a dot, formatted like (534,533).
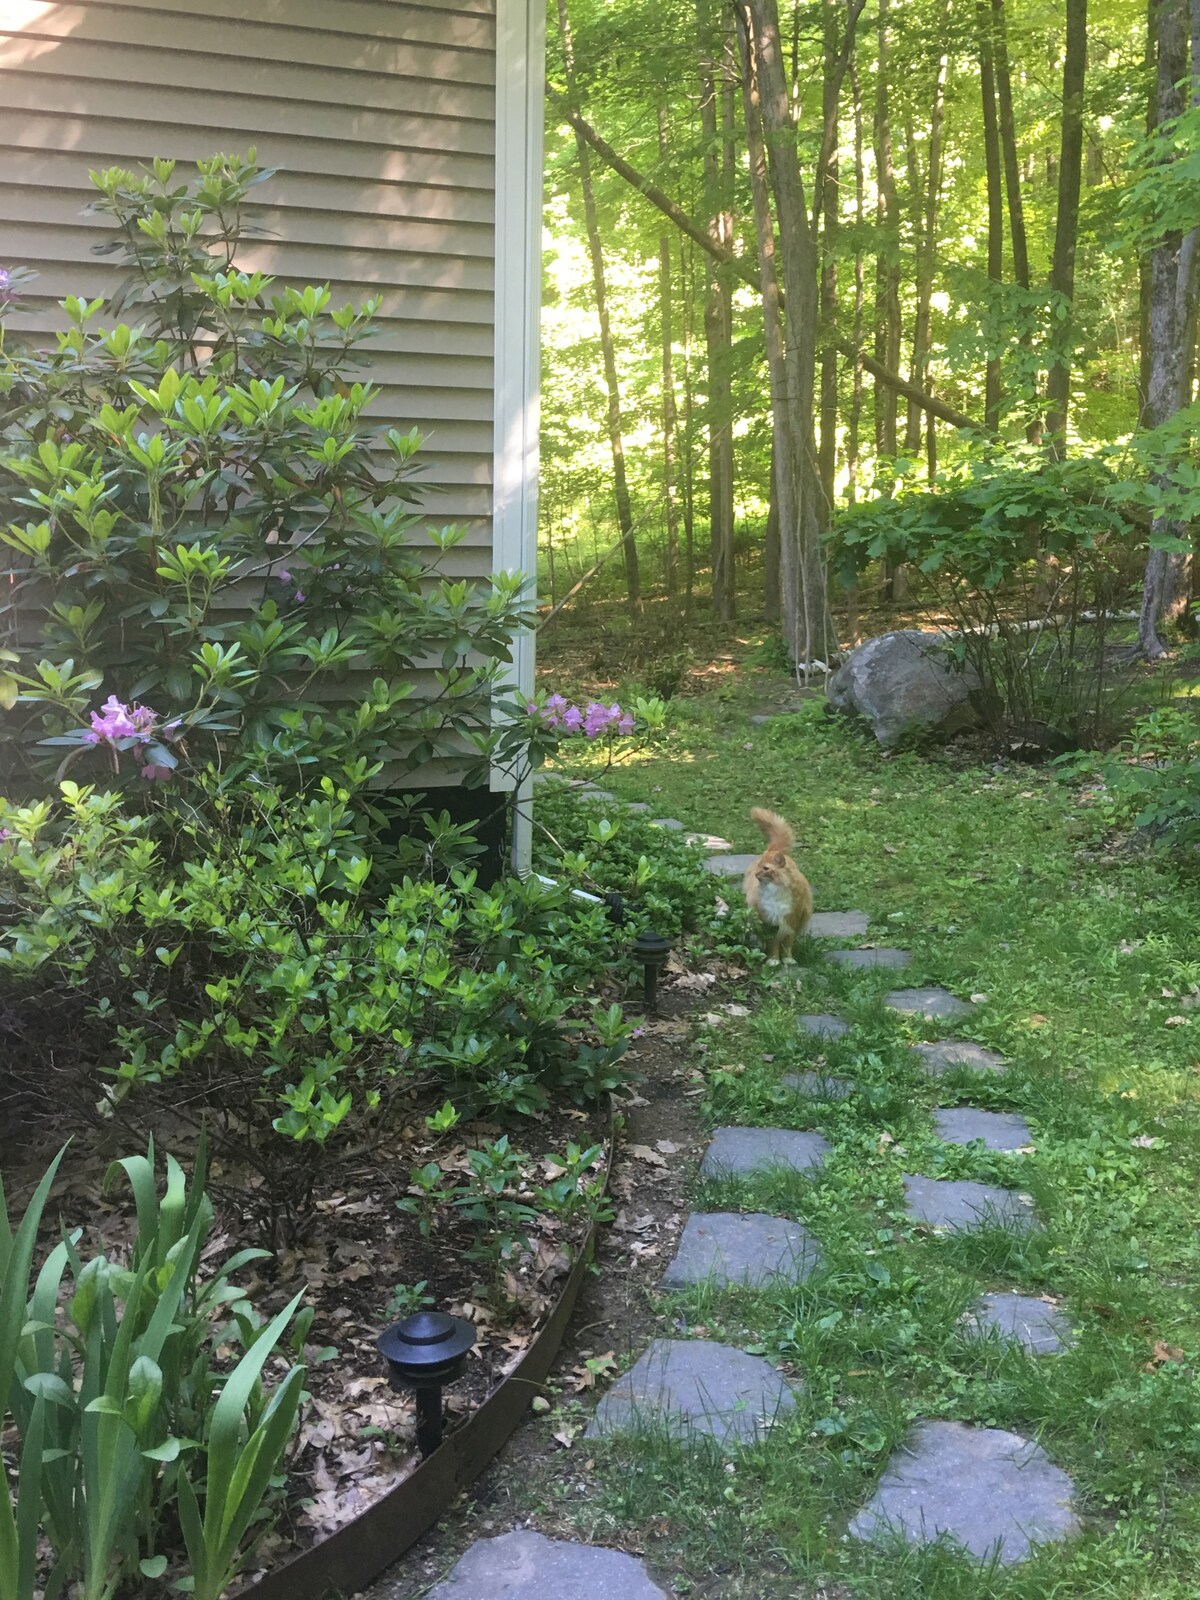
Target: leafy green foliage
(1154,782)
(125,1406)
(199,516)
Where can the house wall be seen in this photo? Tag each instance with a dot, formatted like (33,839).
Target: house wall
(381,116)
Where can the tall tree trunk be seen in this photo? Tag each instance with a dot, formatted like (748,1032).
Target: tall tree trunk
(1062,268)
(927,258)
(718,329)
(1016,210)
(607,348)
(827,186)
(1172,290)
(687,278)
(854,426)
(670,425)
(887,266)
(807,624)
(995,203)
(771,551)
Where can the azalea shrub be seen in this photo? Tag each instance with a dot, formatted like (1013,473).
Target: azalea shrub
(658,877)
(214,556)
(247,969)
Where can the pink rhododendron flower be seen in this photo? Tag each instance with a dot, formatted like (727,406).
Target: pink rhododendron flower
(157,774)
(116,720)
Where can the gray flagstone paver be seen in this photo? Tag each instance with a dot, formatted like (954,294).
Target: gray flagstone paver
(735,1152)
(871,956)
(1040,1327)
(957,1203)
(999,1130)
(823,1025)
(933,1002)
(692,1387)
(524,1565)
(944,1055)
(838,924)
(818,1085)
(737,1247)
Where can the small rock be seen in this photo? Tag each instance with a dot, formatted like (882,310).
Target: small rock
(734,1152)
(524,1565)
(723,1247)
(932,1003)
(691,1387)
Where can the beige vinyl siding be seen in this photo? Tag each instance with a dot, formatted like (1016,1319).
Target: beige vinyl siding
(379,114)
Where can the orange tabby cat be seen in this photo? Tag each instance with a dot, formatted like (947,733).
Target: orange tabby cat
(776,888)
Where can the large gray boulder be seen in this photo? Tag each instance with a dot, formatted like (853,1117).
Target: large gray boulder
(908,686)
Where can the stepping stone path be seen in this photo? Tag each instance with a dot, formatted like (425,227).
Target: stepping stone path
(990,1491)
(870,956)
(933,1003)
(737,1247)
(690,1387)
(736,1152)
(818,1085)
(947,1054)
(527,1566)
(960,1203)
(1038,1326)
(823,1026)
(987,1489)
(673,823)
(999,1130)
(729,866)
(838,925)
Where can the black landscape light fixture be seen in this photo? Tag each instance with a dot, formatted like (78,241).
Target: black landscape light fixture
(652,950)
(424,1352)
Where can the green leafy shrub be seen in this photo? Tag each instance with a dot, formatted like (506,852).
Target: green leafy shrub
(246,965)
(132,1427)
(204,528)
(659,876)
(1029,561)
(1154,780)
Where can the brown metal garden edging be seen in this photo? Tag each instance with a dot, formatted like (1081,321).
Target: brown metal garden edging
(358,1552)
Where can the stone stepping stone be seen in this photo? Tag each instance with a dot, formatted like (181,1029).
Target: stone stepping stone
(589,793)
(673,823)
(931,1003)
(947,1054)
(748,1248)
(729,866)
(818,1085)
(987,1489)
(691,1387)
(823,1026)
(838,925)
(999,1130)
(736,1152)
(1038,1326)
(524,1565)
(871,956)
(959,1203)
(638,807)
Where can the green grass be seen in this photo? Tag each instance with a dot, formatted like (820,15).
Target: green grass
(1002,884)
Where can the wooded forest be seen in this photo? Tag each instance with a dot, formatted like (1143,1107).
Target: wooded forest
(807,263)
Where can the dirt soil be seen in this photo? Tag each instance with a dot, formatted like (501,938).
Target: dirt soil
(659,1147)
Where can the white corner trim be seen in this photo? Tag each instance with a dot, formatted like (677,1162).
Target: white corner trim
(520,103)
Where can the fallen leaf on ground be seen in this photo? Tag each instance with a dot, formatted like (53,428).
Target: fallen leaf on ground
(643,1152)
(1161,1354)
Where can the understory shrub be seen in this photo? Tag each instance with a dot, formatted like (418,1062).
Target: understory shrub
(1027,561)
(145,1439)
(1154,777)
(243,964)
(659,876)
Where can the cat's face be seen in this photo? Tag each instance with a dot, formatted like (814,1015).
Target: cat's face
(772,868)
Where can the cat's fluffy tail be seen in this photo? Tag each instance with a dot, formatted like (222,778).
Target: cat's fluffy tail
(778,833)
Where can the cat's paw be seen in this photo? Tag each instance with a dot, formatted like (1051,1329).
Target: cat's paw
(772,961)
